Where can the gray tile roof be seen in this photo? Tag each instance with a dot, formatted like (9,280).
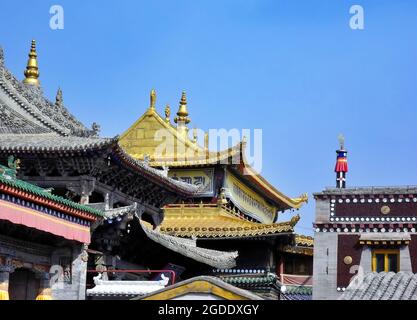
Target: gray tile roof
(383,286)
(50,142)
(188,248)
(115,213)
(30,123)
(368,191)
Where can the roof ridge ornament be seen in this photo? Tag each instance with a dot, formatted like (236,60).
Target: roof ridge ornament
(32,70)
(1,56)
(341,167)
(182,114)
(10,171)
(341,139)
(167,113)
(152,99)
(59,101)
(294,220)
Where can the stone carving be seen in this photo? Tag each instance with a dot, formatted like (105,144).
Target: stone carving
(95,128)
(84,254)
(10,171)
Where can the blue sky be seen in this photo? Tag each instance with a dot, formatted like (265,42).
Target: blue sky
(292,68)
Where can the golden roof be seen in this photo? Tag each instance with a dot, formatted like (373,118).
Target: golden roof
(303,245)
(156,139)
(150,132)
(215,221)
(298,250)
(304,241)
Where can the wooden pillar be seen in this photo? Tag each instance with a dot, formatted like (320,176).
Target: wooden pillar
(45,291)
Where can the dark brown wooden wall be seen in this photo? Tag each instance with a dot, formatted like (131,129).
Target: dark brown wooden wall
(373,209)
(348,245)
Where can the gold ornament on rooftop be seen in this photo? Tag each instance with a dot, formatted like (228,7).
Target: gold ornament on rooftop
(32,70)
(182,114)
(167,113)
(294,220)
(153,99)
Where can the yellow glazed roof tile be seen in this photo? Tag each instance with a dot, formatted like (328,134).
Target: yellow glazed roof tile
(216,221)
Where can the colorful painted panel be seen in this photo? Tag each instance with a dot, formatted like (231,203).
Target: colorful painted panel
(203,178)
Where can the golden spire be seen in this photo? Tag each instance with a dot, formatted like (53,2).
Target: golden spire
(182,114)
(32,71)
(153,99)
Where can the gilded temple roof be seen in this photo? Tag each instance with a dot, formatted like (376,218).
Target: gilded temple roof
(304,241)
(143,141)
(163,144)
(216,221)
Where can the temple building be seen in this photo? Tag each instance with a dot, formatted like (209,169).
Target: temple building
(296,269)
(365,240)
(175,209)
(43,241)
(234,209)
(57,151)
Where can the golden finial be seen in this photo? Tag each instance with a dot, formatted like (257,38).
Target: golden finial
(32,70)
(182,114)
(167,112)
(153,99)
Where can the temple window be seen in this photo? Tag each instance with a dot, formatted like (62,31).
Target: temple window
(386,260)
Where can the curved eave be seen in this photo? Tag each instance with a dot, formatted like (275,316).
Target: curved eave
(17,144)
(35,194)
(183,189)
(284,202)
(211,222)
